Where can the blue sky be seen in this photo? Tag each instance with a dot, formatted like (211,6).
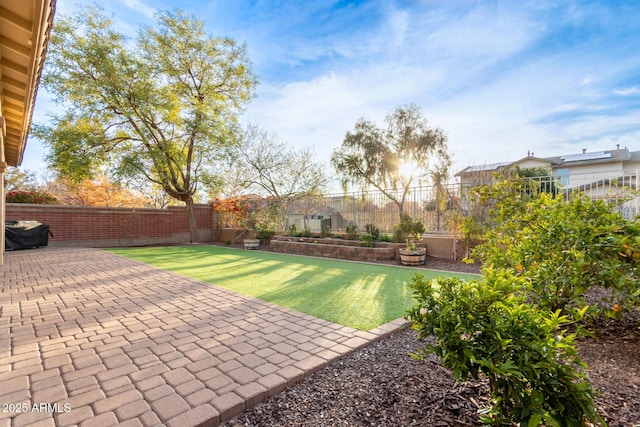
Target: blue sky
(500,77)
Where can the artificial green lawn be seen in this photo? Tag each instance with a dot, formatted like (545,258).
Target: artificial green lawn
(358,295)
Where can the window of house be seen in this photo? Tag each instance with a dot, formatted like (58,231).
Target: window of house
(563,175)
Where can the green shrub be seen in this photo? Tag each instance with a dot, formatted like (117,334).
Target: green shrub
(293,231)
(31,197)
(386,237)
(535,374)
(367,240)
(373,231)
(325,230)
(563,248)
(351,232)
(306,232)
(265,234)
(408,229)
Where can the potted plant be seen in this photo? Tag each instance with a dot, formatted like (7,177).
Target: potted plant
(251,243)
(411,231)
(261,224)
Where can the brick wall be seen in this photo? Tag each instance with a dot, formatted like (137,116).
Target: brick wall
(109,227)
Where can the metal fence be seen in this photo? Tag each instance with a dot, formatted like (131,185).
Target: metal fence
(442,208)
(435,207)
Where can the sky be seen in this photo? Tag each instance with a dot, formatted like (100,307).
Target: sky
(501,78)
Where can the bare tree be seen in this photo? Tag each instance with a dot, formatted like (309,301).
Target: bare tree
(266,165)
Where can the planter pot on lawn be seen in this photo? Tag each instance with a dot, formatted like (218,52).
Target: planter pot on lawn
(413,257)
(251,243)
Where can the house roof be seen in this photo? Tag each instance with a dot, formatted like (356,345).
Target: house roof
(494,167)
(595,157)
(568,160)
(24,35)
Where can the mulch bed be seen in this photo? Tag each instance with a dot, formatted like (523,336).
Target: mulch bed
(382,385)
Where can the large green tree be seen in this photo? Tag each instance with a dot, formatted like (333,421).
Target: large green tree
(393,159)
(163,106)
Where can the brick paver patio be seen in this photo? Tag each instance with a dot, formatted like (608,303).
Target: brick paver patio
(93,339)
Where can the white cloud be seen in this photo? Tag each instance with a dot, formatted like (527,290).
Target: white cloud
(140,7)
(399,23)
(633,90)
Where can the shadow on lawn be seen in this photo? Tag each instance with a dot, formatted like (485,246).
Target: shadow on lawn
(358,295)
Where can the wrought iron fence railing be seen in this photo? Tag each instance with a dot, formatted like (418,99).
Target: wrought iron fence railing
(441,208)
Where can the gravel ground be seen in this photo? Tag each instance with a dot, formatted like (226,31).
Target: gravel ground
(381,385)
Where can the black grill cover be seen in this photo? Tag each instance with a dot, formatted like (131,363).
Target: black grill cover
(25,235)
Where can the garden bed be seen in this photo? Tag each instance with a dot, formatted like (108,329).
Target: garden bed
(334,248)
(442,247)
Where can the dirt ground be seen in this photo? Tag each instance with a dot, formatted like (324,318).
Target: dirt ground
(382,385)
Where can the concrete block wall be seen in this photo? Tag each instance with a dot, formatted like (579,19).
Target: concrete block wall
(445,247)
(333,251)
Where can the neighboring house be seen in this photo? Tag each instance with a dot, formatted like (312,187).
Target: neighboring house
(484,174)
(24,35)
(608,174)
(571,170)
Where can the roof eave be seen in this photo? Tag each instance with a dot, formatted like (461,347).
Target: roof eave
(22,105)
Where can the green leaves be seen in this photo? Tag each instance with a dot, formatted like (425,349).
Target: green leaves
(371,156)
(486,327)
(165,119)
(562,247)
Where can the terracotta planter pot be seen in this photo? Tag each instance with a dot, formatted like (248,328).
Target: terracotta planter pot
(413,257)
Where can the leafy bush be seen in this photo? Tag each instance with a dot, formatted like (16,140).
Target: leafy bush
(505,196)
(351,231)
(367,240)
(564,247)
(256,215)
(325,230)
(293,231)
(265,234)
(306,232)
(31,197)
(386,237)
(373,231)
(485,327)
(408,229)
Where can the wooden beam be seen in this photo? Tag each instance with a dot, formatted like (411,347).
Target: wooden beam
(14,66)
(15,46)
(12,104)
(13,82)
(16,20)
(13,95)
(11,117)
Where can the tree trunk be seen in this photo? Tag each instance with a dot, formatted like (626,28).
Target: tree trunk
(193,225)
